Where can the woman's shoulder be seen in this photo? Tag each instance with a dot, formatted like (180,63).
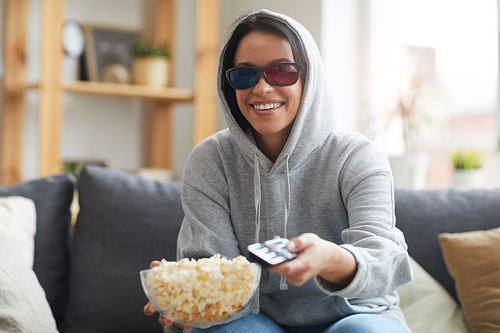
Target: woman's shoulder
(212,146)
(353,142)
(208,158)
(356,149)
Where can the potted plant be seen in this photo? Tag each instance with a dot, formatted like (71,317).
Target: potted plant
(151,64)
(468,171)
(415,111)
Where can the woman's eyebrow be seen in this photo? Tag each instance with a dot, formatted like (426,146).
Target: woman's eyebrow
(274,61)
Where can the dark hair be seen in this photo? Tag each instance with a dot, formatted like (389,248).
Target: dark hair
(244,26)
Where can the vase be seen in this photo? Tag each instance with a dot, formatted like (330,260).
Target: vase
(150,71)
(468,178)
(410,170)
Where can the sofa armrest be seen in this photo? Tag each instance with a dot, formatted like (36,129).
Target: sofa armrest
(423,215)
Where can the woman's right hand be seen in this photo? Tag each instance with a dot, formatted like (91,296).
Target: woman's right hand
(150,310)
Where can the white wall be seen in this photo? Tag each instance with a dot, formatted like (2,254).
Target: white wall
(342,57)
(308,13)
(113,130)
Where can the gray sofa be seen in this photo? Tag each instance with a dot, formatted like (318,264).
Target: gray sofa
(90,273)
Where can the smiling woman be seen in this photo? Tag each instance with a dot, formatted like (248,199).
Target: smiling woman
(282,169)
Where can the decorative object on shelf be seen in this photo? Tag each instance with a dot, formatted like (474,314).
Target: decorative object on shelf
(151,63)
(416,110)
(116,73)
(107,45)
(73,39)
(468,168)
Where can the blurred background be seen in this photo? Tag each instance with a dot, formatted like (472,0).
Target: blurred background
(418,77)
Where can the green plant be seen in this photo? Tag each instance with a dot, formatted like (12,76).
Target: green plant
(143,47)
(467,159)
(72,167)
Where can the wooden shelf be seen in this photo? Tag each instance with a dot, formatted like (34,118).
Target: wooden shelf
(128,91)
(116,90)
(51,89)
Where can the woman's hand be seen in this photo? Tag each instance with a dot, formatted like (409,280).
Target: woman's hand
(150,310)
(317,257)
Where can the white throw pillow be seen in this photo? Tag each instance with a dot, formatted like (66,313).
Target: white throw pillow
(428,307)
(18,222)
(23,305)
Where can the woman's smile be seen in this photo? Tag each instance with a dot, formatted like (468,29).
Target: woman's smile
(266,106)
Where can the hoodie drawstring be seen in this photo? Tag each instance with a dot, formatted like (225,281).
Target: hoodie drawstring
(283,283)
(257,200)
(257,195)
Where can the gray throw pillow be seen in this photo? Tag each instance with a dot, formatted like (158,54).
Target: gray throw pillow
(124,223)
(52,197)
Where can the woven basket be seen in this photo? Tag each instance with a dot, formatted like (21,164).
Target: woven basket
(150,71)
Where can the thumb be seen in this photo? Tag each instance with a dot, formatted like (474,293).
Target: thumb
(298,244)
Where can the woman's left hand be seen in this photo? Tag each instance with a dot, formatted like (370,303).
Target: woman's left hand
(317,256)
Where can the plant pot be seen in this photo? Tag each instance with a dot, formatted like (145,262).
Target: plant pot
(410,170)
(468,178)
(151,71)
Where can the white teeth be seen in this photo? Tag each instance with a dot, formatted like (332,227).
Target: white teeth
(267,106)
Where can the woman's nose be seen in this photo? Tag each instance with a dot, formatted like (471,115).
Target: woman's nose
(262,86)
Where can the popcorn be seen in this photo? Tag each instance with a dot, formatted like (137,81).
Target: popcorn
(203,290)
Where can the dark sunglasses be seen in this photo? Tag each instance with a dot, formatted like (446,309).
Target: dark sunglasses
(277,75)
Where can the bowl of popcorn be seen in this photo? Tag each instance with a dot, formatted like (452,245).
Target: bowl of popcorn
(204,292)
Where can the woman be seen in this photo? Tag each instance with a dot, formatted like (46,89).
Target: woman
(282,169)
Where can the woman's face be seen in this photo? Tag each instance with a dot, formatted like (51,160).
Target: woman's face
(270,110)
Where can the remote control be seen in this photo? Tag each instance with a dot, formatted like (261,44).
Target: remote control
(271,252)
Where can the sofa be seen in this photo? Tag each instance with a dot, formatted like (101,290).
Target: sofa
(85,276)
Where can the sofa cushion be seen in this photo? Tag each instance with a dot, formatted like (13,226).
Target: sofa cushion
(426,298)
(423,215)
(23,305)
(52,197)
(124,223)
(473,259)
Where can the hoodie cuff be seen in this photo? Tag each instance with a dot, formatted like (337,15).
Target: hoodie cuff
(353,289)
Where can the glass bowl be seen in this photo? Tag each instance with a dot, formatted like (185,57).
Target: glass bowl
(199,299)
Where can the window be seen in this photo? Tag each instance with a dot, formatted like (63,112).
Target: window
(443,53)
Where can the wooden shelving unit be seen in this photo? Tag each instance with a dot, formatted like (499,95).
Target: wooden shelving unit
(51,88)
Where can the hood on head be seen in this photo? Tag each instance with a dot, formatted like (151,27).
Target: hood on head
(315,119)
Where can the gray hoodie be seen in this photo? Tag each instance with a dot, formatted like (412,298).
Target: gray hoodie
(335,184)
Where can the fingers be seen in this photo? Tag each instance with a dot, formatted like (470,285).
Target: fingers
(149,309)
(164,321)
(186,328)
(154,263)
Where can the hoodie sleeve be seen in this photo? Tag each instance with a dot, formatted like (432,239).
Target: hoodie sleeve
(372,237)
(206,228)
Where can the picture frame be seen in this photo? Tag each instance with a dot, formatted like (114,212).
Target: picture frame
(105,45)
